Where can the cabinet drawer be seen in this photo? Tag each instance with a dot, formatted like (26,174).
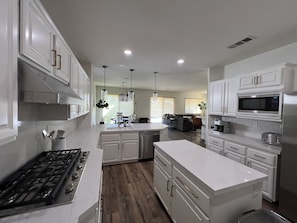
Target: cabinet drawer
(130,135)
(110,137)
(163,162)
(262,156)
(201,199)
(237,148)
(216,141)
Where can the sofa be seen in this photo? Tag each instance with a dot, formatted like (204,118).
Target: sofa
(182,122)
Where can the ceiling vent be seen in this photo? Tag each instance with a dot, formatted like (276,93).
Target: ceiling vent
(241,42)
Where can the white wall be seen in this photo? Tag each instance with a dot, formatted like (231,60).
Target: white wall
(142,99)
(285,54)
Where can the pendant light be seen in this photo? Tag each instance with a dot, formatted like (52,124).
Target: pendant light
(155,93)
(104,92)
(131,92)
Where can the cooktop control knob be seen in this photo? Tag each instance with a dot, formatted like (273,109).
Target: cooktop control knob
(79,167)
(82,160)
(85,153)
(69,188)
(75,175)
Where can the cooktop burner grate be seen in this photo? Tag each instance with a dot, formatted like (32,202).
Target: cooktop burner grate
(38,181)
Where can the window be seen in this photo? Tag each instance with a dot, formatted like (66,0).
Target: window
(159,107)
(191,105)
(110,113)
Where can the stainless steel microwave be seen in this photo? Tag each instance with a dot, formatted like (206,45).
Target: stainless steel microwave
(266,106)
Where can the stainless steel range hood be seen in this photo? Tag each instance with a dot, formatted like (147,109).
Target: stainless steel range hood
(36,86)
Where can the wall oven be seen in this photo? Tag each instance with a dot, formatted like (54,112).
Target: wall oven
(266,106)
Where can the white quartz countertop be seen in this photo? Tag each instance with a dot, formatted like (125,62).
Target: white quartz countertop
(87,193)
(243,140)
(133,127)
(218,173)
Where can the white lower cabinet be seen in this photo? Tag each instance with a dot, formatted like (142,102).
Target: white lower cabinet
(184,209)
(267,164)
(262,161)
(162,184)
(119,147)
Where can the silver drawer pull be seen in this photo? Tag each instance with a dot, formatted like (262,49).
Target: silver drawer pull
(231,147)
(187,188)
(261,157)
(168,185)
(164,164)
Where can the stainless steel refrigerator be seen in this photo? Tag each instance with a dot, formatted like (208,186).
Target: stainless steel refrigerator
(288,167)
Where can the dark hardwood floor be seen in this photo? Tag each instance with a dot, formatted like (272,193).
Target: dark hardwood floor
(128,195)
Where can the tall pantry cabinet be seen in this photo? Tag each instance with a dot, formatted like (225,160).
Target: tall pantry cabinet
(8,70)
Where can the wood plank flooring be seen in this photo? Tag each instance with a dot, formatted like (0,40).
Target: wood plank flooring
(128,195)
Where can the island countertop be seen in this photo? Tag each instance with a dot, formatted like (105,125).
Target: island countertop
(217,173)
(133,127)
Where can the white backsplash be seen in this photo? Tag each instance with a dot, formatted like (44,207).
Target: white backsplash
(29,143)
(252,128)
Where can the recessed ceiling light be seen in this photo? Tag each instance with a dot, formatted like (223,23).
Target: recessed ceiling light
(128,52)
(180,61)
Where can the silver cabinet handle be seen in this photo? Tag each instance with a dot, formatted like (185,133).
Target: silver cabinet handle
(164,164)
(54,58)
(258,156)
(171,192)
(255,80)
(232,147)
(187,188)
(259,80)
(167,185)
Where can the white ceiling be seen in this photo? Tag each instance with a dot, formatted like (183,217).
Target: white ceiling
(161,31)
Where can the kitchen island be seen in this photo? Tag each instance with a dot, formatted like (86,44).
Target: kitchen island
(198,185)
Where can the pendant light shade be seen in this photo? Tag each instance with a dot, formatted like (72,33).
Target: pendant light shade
(104,91)
(131,92)
(155,93)
(127,96)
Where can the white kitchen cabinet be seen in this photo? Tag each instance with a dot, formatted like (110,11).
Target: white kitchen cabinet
(235,151)
(184,209)
(231,150)
(8,70)
(279,77)
(162,185)
(223,97)
(62,68)
(41,42)
(36,35)
(267,164)
(119,147)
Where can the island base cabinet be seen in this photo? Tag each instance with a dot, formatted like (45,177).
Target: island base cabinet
(162,185)
(184,209)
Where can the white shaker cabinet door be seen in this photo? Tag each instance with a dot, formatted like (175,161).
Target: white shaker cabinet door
(111,152)
(216,98)
(8,70)
(36,35)
(184,210)
(63,56)
(130,150)
(162,186)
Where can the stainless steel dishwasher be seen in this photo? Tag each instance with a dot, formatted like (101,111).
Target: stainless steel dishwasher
(146,148)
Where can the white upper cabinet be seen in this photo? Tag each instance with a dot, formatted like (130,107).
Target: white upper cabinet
(223,97)
(278,77)
(8,70)
(36,35)
(41,42)
(62,66)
